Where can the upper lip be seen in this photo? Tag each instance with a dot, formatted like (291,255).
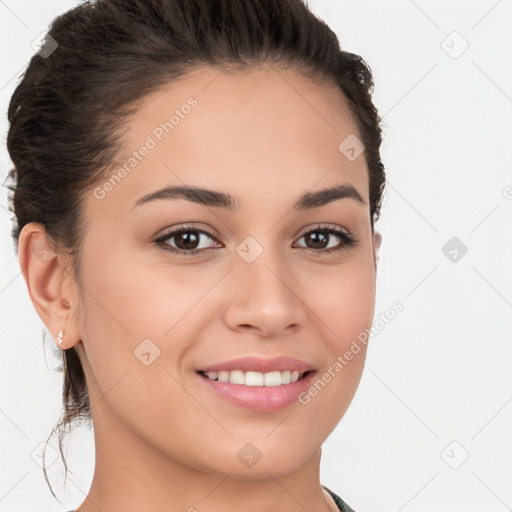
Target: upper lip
(262,365)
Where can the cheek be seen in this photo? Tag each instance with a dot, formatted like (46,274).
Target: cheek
(134,299)
(140,317)
(343,306)
(132,361)
(343,299)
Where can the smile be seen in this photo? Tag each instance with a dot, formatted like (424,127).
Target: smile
(261,392)
(269,379)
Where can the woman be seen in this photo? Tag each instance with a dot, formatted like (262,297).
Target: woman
(196,187)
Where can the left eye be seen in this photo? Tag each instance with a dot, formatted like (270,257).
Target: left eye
(321,235)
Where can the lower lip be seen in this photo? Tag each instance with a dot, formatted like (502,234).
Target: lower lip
(260,398)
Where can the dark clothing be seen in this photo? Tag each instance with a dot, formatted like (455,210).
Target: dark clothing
(341,504)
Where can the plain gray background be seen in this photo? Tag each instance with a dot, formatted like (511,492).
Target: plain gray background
(430,425)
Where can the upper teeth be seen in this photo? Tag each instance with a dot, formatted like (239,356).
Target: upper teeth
(256,378)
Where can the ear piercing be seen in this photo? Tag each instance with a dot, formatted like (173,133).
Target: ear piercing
(59,337)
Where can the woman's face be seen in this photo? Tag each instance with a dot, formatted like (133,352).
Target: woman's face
(260,283)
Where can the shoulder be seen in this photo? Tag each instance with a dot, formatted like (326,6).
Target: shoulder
(341,504)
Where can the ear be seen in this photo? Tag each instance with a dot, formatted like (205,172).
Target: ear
(377,240)
(50,283)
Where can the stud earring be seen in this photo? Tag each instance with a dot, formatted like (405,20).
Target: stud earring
(59,337)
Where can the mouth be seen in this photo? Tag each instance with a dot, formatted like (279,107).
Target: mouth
(252,379)
(258,391)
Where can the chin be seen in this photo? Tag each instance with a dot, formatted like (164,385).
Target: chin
(251,463)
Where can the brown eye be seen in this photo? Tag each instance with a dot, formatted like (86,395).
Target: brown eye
(187,241)
(320,238)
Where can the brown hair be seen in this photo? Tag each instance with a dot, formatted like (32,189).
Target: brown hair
(102,57)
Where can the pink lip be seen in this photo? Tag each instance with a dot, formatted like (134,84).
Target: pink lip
(256,364)
(260,398)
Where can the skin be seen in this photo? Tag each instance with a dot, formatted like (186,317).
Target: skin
(164,442)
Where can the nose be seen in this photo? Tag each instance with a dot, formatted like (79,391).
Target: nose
(265,297)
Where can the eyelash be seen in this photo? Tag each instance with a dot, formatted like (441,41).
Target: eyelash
(347,240)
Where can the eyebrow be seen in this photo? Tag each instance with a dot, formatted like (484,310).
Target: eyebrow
(206,197)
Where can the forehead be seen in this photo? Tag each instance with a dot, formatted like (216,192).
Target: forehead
(246,132)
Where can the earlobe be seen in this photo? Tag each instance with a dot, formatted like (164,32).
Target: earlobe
(44,272)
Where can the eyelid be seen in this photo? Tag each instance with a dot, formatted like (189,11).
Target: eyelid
(323,226)
(172,232)
(347,239)
(188,227)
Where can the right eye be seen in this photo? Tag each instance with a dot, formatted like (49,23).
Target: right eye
(187,241)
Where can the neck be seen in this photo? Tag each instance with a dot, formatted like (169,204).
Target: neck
(132,475)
